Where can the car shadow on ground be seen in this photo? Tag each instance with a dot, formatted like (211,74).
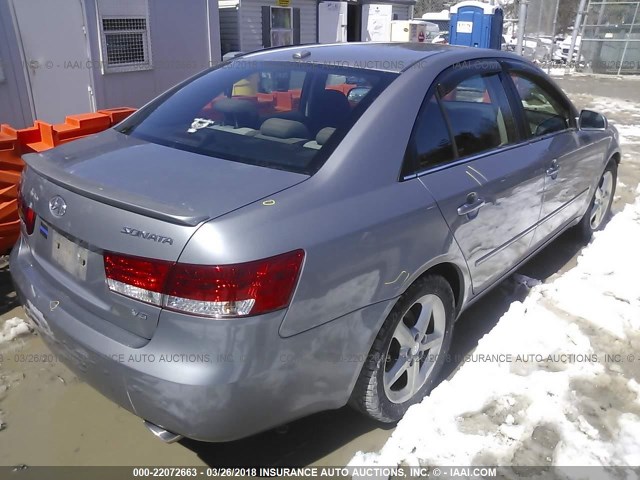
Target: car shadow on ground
(310,439)
(299,443)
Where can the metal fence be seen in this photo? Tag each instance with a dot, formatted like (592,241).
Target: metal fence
(539,42)
(605,37)
(611,38)
(541,15)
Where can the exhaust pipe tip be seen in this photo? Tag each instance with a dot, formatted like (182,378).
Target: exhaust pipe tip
(164,435)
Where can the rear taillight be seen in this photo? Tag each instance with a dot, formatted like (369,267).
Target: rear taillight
(242,289)
(136,277)
(27,214)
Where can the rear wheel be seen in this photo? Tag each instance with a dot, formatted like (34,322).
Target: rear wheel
(599,210)
(409,351)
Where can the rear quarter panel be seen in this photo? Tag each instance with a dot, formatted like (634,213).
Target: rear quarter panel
(360,249)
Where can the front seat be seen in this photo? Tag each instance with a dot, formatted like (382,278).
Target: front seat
(328,109)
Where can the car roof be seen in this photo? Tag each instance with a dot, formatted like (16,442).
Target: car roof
(389,57)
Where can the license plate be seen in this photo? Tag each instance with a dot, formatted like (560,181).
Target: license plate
(70,256)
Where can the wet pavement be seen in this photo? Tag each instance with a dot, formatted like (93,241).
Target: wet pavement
(50,418)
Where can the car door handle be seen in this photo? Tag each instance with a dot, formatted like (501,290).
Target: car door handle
(471,207)
(553,169)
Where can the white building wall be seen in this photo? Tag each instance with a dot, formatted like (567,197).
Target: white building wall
(183,42)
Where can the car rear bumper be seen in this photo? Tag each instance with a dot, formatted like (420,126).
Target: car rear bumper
(211,380)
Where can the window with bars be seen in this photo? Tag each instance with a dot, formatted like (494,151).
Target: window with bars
(125,44)
(280,26)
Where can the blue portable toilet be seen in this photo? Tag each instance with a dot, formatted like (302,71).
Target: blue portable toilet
(476,24)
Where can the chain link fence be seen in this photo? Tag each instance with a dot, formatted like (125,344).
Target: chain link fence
(611,38)
(607,41)
(539,43)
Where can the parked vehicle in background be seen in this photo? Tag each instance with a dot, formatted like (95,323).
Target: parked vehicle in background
(537,49)
(545,44)
(442,19)
(248,249)
(561,54)
(504,45)
(442,39)
(510,43)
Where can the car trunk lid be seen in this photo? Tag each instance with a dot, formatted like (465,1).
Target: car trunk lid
(130,197)
(169,184)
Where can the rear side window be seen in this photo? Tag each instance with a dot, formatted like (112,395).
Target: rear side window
(544,112)
(478,112)
(288,116)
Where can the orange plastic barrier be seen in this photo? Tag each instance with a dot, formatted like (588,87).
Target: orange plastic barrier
(270,103)
(41,136)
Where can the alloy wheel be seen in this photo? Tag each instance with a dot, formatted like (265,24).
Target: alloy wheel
(601,200)
(414,348)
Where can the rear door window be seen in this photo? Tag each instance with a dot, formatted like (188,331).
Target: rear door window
(478,113)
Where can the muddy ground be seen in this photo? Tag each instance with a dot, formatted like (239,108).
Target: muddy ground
(48,417)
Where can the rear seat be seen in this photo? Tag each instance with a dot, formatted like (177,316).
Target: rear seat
(283,130)
(249,132)
(321,138)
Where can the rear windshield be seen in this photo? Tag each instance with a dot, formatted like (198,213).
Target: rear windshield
(288,116)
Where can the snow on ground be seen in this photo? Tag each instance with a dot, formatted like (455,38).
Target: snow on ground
(554,383)
(629,134)
(609,105)
(12,328)
(560,71)
(625,110)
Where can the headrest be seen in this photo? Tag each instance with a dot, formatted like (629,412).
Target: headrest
(323,135)
(234,105)
(283,128)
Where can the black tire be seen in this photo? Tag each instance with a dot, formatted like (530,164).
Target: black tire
(369,395)
(585,229)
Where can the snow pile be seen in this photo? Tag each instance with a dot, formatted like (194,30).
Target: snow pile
(630,130)
(608,105)
(12,328)
(554,383)
(557,71)
(629,134)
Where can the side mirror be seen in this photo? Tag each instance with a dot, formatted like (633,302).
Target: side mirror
(590,120)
